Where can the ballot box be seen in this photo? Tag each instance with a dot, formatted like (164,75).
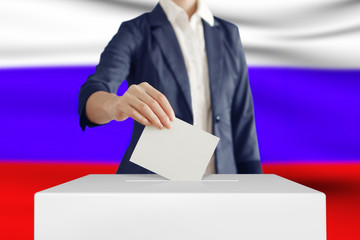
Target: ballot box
(220,207)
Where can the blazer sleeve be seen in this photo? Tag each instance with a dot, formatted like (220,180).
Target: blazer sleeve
(112,70)
(246,149)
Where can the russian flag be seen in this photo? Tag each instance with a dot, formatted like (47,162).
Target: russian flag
(304,68)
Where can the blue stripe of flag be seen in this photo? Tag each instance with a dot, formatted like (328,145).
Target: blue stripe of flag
(301,115)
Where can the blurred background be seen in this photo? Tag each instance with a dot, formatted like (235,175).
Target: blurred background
(304,69)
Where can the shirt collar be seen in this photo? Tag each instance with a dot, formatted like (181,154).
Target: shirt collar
(172,10)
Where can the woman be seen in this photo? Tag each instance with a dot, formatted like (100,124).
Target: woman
(178,60)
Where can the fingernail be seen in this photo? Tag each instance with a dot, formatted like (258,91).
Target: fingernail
(168,124)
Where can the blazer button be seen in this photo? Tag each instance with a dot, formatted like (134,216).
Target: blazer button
(217,118)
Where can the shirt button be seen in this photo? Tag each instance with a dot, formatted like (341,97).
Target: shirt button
(217,118)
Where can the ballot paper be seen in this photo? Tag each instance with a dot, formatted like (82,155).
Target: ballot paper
(180,153)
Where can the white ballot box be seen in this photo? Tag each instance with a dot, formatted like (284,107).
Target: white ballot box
(220,207)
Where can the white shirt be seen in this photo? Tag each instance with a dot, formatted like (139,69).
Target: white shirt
(190,36)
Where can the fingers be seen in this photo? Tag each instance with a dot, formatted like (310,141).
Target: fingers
(143,109)
(148,106)
(155,107)
(134,114)
(161,100)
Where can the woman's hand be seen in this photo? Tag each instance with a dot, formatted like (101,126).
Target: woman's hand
(146,105)
(141,102)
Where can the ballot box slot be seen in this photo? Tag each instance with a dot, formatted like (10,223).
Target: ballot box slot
(153,180)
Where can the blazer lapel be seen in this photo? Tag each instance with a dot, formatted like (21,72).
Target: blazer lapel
(167,40)
(214,52)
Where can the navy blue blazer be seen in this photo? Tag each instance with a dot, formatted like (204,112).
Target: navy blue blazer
(146,49)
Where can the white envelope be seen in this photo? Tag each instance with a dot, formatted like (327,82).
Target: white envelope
(180,153)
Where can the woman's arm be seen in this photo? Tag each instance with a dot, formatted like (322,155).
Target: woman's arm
(98,102)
